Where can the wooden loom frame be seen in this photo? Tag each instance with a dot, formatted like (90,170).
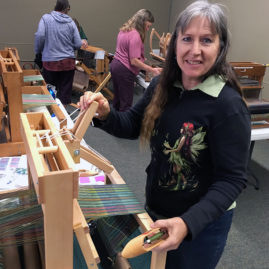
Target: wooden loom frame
(100,75)
(163,44)
(250,70)
(13,88)
(56,186)
(252,93)
(47,184)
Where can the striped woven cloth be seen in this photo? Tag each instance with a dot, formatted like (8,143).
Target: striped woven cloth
(108,200)
(38,99)
(33,78)
(21,219)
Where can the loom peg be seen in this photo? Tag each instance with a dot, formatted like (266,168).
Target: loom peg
(87,173)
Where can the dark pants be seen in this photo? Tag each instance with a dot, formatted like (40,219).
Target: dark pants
(63,81)
(205,250)
(123,84)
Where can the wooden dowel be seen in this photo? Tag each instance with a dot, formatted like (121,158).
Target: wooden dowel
(103,83)
(45,150)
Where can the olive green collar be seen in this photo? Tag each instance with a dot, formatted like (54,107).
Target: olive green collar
(211,86)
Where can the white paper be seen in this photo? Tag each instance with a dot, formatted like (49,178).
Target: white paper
(99,55)
(13,172)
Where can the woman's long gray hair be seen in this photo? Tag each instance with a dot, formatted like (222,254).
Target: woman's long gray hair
(172,72)
(218,20)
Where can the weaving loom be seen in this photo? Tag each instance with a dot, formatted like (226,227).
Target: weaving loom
(51,168)
(250,76)
(79,129)
(51,155)
(16,82)
(160,53)
(94,62)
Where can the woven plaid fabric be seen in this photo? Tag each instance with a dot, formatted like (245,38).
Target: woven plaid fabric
(108,200)
(21,219)
(115,232)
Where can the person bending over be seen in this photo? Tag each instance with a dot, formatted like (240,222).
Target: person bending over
(129,58)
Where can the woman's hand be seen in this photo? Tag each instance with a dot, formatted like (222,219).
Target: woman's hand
(156,71)
(177,231)
(139,64)
(84,43)
(103,107)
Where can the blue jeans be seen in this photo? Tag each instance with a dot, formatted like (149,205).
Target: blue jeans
(205,250)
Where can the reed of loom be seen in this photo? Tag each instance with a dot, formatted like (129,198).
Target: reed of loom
(13,86)
(55,181)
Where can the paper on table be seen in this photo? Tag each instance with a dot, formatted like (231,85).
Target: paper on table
(13,172)
(98,179)
(99,55)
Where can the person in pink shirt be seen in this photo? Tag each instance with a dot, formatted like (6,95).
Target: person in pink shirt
(129,58)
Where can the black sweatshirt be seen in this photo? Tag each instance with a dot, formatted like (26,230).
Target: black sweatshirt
(199,152)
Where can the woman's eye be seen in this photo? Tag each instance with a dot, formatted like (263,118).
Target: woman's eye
(186,39)
(206,40)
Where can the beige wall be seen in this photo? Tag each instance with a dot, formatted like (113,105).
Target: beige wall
(100,20)
(248,22)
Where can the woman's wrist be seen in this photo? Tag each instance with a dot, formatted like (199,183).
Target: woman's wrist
(149,69)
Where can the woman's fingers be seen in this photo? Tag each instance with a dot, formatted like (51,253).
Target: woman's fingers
(177,231)
(88,97)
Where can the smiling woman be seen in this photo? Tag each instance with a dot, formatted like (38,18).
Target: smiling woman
(198,127)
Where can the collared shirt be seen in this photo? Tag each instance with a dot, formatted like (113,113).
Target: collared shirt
(211,86)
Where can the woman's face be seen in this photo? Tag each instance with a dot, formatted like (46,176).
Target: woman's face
(147,25)
(196,51)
